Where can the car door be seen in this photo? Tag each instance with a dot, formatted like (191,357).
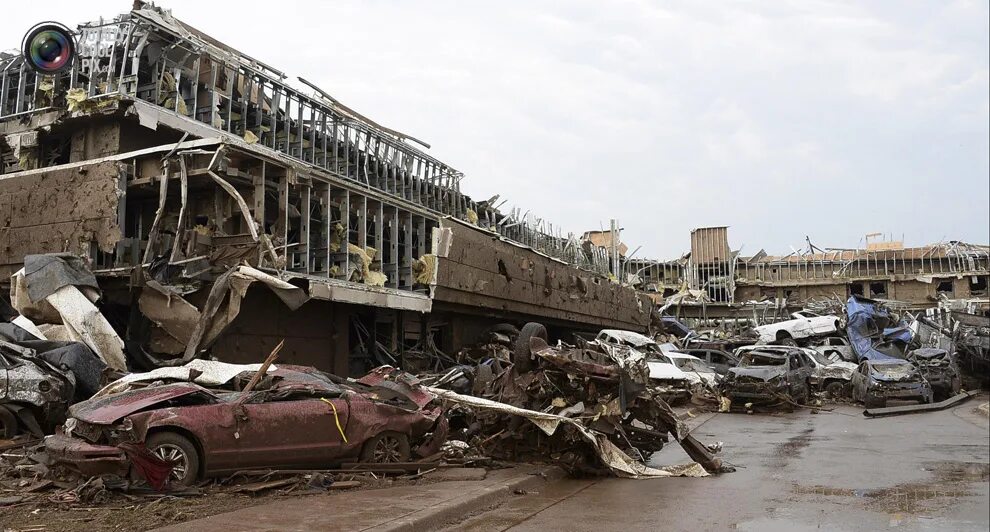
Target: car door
(719,362)
(814,369)
(858,382)
(291,429)
(801,372)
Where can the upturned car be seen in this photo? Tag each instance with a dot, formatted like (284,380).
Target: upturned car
(803,324)
(877,381)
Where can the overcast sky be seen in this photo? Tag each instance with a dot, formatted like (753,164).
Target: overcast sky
(779,119)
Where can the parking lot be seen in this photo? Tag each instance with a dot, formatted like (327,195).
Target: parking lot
(801,471)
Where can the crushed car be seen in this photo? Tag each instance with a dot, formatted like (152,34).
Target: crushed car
(33,393)
(877,381)
(701,377)
(719,360)
(874,331)
(939,369)
(673,385)
(829,376)
(803,324)
(295,417)
(39,379)
(836,348)
(768,375)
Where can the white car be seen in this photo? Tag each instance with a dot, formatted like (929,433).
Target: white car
(804,324)
(673,383)
(830,376)
(697,372)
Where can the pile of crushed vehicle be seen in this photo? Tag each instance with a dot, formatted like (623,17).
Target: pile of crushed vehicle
(596,405)
(864,353)
(70,420)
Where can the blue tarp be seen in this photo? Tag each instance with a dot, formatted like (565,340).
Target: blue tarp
(869,325)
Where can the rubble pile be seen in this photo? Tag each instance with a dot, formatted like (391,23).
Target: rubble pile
(590,408)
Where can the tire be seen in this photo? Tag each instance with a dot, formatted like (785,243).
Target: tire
(8,423)
(521,354)
(386,448)
(172,446)
(507,329)
(835,389)
(784,338)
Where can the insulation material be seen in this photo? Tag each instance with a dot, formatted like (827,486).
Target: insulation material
(425,269)
(336,237)
(203,372)
(363,272)
(86,324)
(77,100)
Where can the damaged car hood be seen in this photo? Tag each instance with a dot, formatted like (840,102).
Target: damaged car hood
(665,371)
(109,409)
(764,373)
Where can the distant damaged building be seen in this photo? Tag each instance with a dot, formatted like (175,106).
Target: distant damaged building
(223,209)
(712,281)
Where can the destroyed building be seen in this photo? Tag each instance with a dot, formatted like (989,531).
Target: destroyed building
(184,171)
(713,281)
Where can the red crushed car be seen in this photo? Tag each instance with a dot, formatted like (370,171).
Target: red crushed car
(296,418)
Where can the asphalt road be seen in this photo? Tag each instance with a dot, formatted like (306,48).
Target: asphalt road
(800,471)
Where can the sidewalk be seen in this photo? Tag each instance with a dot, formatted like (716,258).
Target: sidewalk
(400,508)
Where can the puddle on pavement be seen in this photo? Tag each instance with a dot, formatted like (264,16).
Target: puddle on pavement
(783,452)
(950,480)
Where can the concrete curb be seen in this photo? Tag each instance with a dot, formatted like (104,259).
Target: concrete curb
(461,507)
(984,409)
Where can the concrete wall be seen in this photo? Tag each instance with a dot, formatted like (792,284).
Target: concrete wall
(56,210)
(513,283)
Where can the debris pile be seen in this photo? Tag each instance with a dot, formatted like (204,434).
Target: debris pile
(590,408)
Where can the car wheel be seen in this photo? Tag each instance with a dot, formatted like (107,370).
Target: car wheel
(784,338)
(835,389)
(386,448)
(178,450)
(507,329)
(521,354)
(8,423)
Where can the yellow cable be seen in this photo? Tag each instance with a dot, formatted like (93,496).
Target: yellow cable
(335,418)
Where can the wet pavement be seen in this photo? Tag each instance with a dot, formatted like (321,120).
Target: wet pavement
(802,471)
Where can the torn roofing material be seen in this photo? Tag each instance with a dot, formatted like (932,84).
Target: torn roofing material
(869,325)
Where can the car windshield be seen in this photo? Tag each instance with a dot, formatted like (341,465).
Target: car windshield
(759,359)
(820,358)
(897,371)
(660,357)
(689,364)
